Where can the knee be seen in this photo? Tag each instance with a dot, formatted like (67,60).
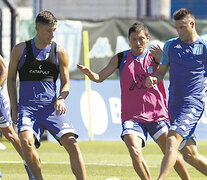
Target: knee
(189,157)
(9,136)
(27,142)
(135,152)
(172,144)
(70,144)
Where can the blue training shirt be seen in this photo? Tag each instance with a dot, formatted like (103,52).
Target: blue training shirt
(37,92)
(187,69)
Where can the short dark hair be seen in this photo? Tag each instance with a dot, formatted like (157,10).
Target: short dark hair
(46,17)
(182,13)
(138,27)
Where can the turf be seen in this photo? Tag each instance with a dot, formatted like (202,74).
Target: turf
(103,159)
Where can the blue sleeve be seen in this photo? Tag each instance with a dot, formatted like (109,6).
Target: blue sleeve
(205,45)
(165,57)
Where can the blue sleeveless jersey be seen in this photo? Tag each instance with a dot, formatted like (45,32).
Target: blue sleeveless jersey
(187,74)
(36,92)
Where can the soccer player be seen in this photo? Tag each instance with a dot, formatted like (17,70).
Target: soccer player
(39,61)
(5,118)
(187,57)
(143,110)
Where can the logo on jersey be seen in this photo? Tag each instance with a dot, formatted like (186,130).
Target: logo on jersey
(198,49)
(38,71)
(139,82)
(150,69)
(178,46)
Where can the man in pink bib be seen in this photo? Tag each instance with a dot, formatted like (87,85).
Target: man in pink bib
(143,110)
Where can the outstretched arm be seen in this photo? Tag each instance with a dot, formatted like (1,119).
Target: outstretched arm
(103,74)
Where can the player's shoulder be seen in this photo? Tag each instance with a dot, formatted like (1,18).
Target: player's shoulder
(172,40)
(20,45)
(202,40)
(61,50)
(19,48)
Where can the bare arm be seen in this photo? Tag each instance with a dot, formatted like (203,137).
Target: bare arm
(12,75)
(103,74)
(157,77)
(3,71)
(63,60)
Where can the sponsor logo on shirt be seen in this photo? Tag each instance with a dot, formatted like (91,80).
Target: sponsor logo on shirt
(38,71)
(138,82)
(178,46)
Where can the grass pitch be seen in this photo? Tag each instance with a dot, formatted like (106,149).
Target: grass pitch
(103,160)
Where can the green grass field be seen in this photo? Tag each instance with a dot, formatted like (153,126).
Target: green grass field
(103,160)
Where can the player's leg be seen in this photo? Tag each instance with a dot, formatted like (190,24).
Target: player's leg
(62,129)
(11,135)
(171,153)
(180,164)
(134,135)
(30,154)
(191,155)
(9,132)
(77,164)
(134,145)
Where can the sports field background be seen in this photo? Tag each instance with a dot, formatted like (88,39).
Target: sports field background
(103,159)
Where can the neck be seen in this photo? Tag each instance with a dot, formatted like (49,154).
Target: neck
(137,53)
(40,44)
(192,39)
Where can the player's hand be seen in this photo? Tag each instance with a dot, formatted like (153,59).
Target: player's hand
(60,106)
(150,81)
(84,69)
(156,52)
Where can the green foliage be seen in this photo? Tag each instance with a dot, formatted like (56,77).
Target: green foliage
(103,159)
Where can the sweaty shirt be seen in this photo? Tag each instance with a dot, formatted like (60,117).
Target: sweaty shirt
(140,103)
(38,70)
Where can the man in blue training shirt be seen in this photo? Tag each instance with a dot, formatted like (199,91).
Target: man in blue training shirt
(39,61)
(187,57)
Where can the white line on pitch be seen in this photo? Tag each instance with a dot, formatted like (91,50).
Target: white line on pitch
(52,162)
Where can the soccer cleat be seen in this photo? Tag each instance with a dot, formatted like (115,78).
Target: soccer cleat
(31,177)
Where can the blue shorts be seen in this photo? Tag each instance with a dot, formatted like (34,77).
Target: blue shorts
(155,129)
(43,117)
(184,120)
(5,116)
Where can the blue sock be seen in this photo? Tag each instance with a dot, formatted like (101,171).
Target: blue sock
(0,175)
(31,177)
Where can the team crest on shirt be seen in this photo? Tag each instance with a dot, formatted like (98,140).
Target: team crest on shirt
(150,69)
(198,49)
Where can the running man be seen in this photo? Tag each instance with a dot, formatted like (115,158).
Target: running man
(143,110)
(187,57)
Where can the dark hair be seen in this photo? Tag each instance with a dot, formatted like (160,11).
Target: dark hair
(46,17)
(138,27)
(182,13)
